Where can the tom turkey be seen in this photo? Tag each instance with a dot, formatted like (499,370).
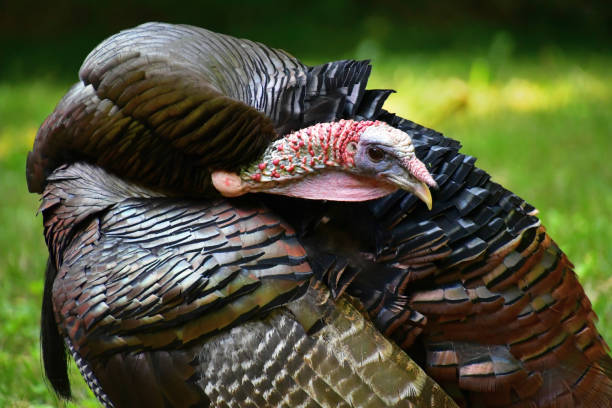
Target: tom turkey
(323,279)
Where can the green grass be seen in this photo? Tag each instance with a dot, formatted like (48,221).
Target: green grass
(539,124)
(22,251)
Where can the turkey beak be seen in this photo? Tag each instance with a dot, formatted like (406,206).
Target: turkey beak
(422,192)
(418,188)
(418,180)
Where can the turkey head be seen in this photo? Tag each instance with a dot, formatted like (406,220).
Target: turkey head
(341,161)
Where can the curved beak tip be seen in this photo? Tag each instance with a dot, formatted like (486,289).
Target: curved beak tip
(421,191)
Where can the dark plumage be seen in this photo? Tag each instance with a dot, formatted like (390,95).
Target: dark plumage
(166,294)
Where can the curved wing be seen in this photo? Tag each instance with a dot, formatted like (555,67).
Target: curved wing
(145,271)
(161,104)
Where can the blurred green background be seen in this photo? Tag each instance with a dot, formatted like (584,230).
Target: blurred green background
(526,86)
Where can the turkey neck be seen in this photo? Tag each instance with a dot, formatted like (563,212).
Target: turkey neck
(321,146)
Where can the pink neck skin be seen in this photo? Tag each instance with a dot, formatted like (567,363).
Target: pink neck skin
(335,185)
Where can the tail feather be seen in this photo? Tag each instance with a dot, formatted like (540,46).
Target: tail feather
(54,353)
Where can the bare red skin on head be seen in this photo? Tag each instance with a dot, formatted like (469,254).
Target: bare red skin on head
(322,143)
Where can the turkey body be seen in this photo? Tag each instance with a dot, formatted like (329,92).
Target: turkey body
(167,294)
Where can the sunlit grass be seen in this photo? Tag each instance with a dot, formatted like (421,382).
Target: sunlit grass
(23,106)
(540,125)
(474,88)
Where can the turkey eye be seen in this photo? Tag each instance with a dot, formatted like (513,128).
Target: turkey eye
(375,154)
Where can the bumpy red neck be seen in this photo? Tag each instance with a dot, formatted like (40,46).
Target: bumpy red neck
(324,145)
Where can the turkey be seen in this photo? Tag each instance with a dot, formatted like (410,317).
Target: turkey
(228,227)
